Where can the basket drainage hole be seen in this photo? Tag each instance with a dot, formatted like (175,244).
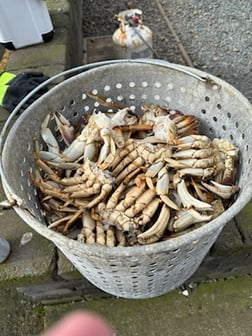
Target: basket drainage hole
(219,106)
(120,98)
(215,119)
(154,264)
(72,102)
(207,98)
(203,111)
(151,275)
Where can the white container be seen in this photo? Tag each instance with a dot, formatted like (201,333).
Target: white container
(24,23)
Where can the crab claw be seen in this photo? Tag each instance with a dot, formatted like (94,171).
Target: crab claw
(66,129)
(155,232)
(185,219)
(188,200)
(50,140)
(162,188)
(221,190)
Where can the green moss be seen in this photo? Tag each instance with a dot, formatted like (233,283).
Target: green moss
(214,308)
(39,311)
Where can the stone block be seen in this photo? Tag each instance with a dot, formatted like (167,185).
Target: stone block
(244,223)
(65,269)
(229,241)
(34,259)
(58,6)
(36,57)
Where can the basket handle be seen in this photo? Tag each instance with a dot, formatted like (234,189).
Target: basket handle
(187,70)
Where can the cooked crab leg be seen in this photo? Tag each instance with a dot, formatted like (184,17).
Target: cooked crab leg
(157,229)
(193,141)
(115,218)
(193,153)
(185,219)
(148,212)
(141,202)
(111,236)
(138,162)
(223,191)
(108,150)
(131,197)
(100,233)
(202,173)
(188,200)
(229,153)
(87,234)
(114,198)
(105,190)
(162,188)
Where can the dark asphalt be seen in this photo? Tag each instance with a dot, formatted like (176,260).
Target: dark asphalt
(216,34)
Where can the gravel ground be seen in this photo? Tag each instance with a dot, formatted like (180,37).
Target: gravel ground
(217,35)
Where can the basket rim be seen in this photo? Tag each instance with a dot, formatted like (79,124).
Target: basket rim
(217,223)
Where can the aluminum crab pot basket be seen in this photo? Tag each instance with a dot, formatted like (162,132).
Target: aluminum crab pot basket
(134,271)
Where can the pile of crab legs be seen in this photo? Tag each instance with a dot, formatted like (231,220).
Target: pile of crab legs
(127,179)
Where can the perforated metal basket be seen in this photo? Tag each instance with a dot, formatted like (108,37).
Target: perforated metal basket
(139,271)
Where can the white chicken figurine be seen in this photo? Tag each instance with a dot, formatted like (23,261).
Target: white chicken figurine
(132,35)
